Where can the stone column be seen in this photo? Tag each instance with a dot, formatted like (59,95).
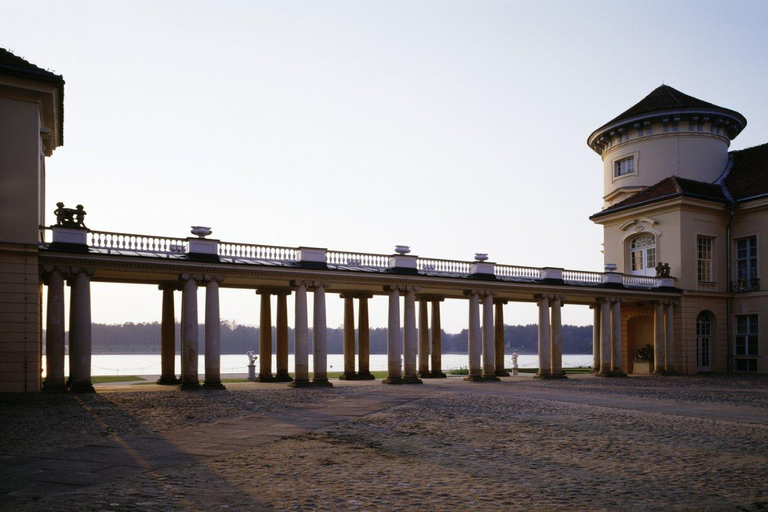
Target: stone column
(595,338)
(423,339)
(669,338)
(282,374)
(437,342)
(80,331)
(189,336)
(212,334)
(364,339)
(557,338)
(498,337)
(474,341)
(265,337)
(659,361)
(168,336)
(605,337)
(394,337)
(411,341)
(349,338)
(545,357)
(54,332)
(320,338)
(488,340)
(301,338)
(616,340)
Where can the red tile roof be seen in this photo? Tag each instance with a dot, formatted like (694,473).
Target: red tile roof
(668,188)
(748,177)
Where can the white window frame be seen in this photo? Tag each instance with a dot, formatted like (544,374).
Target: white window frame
(752,331)
(752,270)
(710,264)
(626,156)
(646,270)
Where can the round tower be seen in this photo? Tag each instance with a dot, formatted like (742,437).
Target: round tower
(667,133)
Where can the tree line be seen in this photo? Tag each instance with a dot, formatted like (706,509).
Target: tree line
(144,338)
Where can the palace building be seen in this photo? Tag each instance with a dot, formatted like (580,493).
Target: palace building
(673,193)
(683,249)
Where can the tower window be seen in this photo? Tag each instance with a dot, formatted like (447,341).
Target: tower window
(704,259)
(624,166)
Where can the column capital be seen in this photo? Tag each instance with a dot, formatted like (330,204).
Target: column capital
(81,270)
(207,278)
(314,285)
(542,296)
(175,286)
(409,288)
(191,277)
(472,292)
(45,275)
(393,288)
(600,300)
(500,301)
(615,300)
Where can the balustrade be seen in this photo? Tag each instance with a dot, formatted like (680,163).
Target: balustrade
(358,259)
(258,252)
(582,276)
(444,266)
(640,281)
(518,273)
(139,243)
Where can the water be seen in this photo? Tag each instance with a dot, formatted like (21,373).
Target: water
(149,364)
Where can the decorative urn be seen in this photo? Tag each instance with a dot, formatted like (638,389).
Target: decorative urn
(201,231)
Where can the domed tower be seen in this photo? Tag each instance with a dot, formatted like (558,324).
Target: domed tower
(667,133)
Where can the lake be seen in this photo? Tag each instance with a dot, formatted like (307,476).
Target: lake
(149,364)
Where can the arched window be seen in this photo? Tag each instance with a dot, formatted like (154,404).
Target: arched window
(704,341)
(642,255)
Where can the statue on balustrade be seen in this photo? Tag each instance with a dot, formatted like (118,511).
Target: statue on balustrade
(70,217)
(662,270)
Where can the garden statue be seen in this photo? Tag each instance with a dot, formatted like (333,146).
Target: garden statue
(662,270)
(70,217)
(514,362)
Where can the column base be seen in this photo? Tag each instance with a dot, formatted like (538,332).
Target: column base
(300,384)
(365,375)
(544,376)
(189,386)
(168,381)
(437,374)
(348,376)
(402,380)
(283,377)
(502,373)
(50,387)
(82,387)
(558,375)
(610,374)
(321,383)
(213,385)
(482,378)
(265,377)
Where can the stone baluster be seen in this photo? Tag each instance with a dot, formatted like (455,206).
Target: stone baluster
(488,340)
(394,337)
(282,374)
(557,338)
(265,336)
(669,337)
(80,331)
(320,337)
(364,339)
(498,337)
(437,341)
(545,358)
(54,332)
(410,342)
(659,361)
(212,333)
(349,338)
(190,341)
(168,336)
(301,337)
(423,339)
(474,341)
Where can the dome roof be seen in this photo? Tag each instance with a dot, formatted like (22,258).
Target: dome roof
(668,100)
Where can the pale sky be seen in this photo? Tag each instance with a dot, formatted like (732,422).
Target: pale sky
(453,127)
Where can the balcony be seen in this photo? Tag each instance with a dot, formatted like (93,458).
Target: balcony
(745,285)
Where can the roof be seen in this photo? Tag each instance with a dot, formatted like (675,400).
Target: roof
(669,188)
(668,99)
(14,65)
(748,177)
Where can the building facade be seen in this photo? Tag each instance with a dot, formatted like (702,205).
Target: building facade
(674,194)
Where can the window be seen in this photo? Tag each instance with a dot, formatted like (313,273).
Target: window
(746,335)
(642,255)
(624,166)
(703,341)
(746,258)
(746,365)
(704,267)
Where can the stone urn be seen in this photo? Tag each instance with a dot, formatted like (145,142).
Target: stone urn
(481,256)
(402,249)
(201,231)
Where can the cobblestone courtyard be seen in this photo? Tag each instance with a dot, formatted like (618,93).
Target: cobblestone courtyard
(585,443)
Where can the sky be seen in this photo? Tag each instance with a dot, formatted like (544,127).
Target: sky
(453,127)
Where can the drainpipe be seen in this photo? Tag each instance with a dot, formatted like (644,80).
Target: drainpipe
(728,326)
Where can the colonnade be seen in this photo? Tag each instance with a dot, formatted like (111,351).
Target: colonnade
(414,343)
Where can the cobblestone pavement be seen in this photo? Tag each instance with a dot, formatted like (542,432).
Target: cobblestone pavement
(647,443)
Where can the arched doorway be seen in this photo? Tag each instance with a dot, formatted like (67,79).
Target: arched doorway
(704,329)
(639,334)
(642,255)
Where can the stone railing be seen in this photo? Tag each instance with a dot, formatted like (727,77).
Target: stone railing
(746,285)
(109,242)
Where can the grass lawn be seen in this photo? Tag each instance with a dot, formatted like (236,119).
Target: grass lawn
(100,379)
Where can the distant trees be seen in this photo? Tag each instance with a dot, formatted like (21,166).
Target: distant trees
(237,339)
